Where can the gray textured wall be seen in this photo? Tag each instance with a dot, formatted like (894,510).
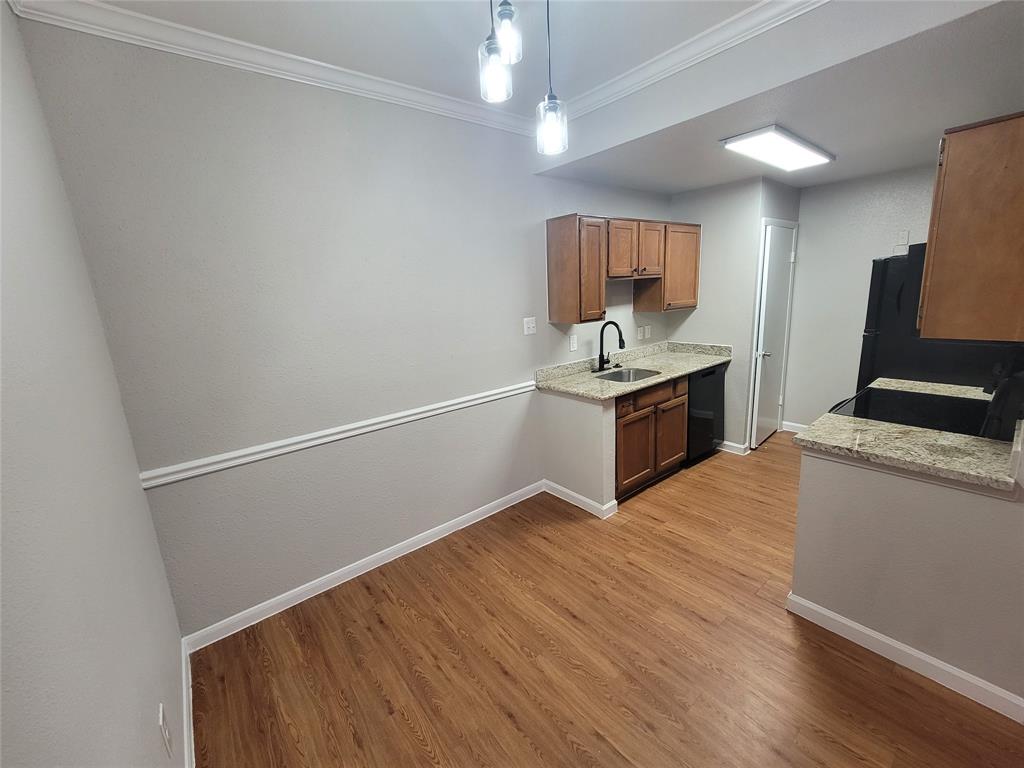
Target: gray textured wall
(90,639)
(273,259)
(730,217)
(844,226)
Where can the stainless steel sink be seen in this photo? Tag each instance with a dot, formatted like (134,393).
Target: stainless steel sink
(628,374)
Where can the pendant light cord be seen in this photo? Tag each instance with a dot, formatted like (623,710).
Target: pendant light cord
(548,9)
(492,15)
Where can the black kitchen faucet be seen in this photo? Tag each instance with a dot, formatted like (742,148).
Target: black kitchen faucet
(602,360)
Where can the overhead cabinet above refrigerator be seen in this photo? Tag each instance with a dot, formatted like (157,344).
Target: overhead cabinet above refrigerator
(974,267)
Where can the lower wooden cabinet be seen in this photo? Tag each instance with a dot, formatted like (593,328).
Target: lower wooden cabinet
(670,438)
(650,434)
(634,449)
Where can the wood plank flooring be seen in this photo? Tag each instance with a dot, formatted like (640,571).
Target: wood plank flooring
(543,636)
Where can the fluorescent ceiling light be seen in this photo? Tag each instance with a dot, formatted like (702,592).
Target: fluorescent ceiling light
(778,147)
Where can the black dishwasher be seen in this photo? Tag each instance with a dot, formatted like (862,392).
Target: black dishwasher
(706,420)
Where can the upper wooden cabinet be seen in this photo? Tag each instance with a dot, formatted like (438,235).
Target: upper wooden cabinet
(973,284)
(652,248)
(680,280)
(577,263)
(623,247)
(584,250)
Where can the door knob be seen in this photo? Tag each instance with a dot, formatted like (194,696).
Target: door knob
(767,354)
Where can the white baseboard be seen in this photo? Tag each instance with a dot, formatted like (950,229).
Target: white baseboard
(792,426)
(741,450)
(604,511)
(249,616)
(982,691)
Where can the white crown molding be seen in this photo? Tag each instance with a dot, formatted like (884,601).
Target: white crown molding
(97,18)
(737,29)
(152,478)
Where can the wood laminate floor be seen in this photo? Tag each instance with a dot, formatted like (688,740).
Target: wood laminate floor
(543,636)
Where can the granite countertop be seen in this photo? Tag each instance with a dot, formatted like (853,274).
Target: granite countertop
(964,458)
(670,358)
(932,388)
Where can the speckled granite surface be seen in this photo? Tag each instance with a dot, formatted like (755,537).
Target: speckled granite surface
(965,458)
(931,388)
(671,360)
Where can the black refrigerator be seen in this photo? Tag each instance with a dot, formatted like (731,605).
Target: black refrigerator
(892,346)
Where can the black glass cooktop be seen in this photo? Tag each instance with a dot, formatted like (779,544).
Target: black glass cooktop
(915,409)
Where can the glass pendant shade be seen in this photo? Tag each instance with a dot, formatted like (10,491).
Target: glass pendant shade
(510,39)
(495,74)
(552,126)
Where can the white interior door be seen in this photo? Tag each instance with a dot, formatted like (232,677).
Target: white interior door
(778,257)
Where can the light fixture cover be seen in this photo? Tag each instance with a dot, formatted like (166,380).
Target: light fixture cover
(510,39)
(495,74)
(552,126)
(777,146)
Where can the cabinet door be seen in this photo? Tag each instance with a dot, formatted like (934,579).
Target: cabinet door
(670,447)
(974,263)
(682,266)
(652,248)
(593,266)
(623,244)
(634,449)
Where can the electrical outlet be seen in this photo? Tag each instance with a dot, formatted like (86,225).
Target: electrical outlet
(639,333)
(647,331)
(900,250)
(165,731)
(529,326)
(574,342)
(904,237)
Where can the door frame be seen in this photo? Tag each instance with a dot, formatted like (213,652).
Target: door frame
(759,313)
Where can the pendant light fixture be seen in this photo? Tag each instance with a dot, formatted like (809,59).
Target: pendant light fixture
(552,121)
(495,73)
(509,37)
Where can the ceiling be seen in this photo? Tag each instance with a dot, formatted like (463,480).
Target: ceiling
(881,111)
(432,44)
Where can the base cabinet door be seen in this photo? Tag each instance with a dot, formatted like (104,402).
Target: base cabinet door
(635,449)
(670,441)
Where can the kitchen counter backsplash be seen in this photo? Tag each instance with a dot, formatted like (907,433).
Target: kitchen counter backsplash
(630,354)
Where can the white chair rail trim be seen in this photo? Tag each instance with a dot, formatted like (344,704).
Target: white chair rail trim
(153,478)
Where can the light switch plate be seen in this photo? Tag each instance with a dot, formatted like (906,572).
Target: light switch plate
(529,326)
(574,342)
(647,331)
(904,237)
(165,730)
(900,250)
